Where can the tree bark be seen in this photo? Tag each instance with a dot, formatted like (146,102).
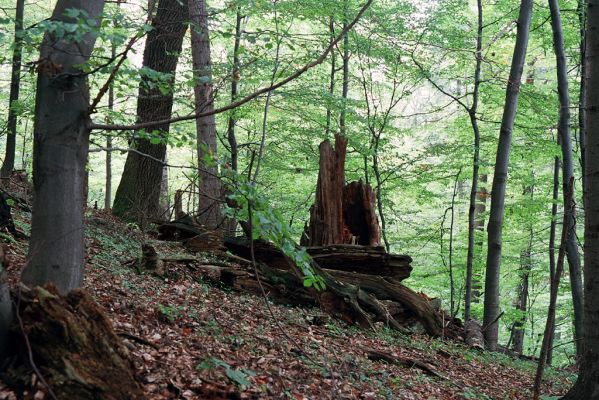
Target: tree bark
(587,385)
(326,215)
(563,129)
(552,230)
(479,236)
(235,75)
(550,324)
(491,308)
(138,194)
(475,166)
(15,84)
(5,307)
(581,94)
(210,190)
(61,143)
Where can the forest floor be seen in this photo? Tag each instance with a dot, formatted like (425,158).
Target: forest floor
(190,339)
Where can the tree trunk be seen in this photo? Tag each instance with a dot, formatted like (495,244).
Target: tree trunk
(521,303)
(550,324)
(5,307)
(210,190)
(491,309)
(61,143)
(326,215)
(581,94)
(235,75)
(587,385)
(479,236)
(552,230)
(15,83)
(563,129)
(345,84)
(475,166)
(108,181)
(331,80)
(525,269)
(138,193)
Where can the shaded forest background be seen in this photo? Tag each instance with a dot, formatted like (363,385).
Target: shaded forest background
(410,66)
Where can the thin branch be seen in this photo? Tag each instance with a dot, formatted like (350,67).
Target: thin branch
(248,98)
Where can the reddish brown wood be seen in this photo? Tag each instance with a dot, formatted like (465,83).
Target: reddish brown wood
(341,214)
(359,214)
(326,215)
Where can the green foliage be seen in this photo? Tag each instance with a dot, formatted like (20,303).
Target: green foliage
(239,376)
(171,313)
(267,223)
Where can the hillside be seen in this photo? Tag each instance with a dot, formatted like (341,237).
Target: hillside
(190,339)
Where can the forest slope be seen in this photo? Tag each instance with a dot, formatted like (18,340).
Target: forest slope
(190,339)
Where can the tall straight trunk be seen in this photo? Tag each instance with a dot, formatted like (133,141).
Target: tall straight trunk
(5,309)
(552,230)
(475,166)
(479,236)
(108,161)
(61,143)
(379,195)
(587,385)
(231,138)
(331,80)
(563,129)
(209,213)
(581,94)
(550,323)
(491,308)
(522,301)
(138,193)
(345,84)
(15,83)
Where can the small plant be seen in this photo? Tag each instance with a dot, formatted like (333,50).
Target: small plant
(170,313)
(239,376)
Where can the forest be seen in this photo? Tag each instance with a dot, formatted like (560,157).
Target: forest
(272,199)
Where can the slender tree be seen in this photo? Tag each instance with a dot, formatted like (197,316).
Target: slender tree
(563,129)
(235,75)
(138,193)
(552,229)
(525,268)
(491,307)
(61,143)
(210,191)
(587,385)
(15,84)
(472,111)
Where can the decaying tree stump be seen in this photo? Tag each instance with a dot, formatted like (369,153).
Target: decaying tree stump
(359,215)
(73,346)
(341,214)
(326,215)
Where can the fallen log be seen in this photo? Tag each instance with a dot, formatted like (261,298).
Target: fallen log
(354,296)
(348,258)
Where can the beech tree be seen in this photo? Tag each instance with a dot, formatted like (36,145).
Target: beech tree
(138,193)
(495,226)
(61,143)
(587,385)
(563,129)
(15,84)
(210,191)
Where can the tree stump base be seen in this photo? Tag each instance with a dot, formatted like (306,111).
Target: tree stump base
(73,346)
